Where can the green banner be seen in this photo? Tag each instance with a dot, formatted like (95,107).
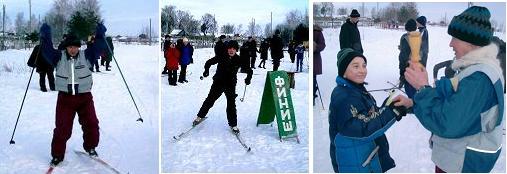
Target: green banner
(277,101)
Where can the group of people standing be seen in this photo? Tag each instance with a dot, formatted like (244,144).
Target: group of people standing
(179,53)
(463,113)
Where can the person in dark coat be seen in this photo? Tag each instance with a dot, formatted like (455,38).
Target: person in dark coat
(220,47)
(319,43)
(264,53)
(276,49)
(292,51)
(252,47)
(224,81)
(349,34)
(37,60)
(93,53)
(353,112)
(61,44)
(74,83)
(300,51)
(172,56)
(165,47)
(186,51)
(404,56)
(421,26)
(244,56)
(108,54)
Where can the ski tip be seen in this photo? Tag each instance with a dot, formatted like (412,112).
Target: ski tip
(12,142)
(249,149)
(140,119)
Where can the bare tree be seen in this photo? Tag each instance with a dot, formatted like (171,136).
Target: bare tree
(168,19)
(209,24)
(238,29)
(228,29)
(327,9)
(267,31)
(342,11)
(294,18)
(58,16)
(19,24)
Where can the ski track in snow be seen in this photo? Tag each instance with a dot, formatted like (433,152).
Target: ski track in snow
(408,139)
(125,144)
(212,147)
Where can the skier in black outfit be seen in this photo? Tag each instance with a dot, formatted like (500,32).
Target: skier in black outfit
(252,46)
(276,50)
(264,53)
(224,81)
(167,43)
(220,47)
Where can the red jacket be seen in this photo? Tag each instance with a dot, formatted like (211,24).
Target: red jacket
(172,56)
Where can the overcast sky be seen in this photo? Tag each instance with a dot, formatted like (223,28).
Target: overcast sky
(123,17)
(434,11)
(240,11)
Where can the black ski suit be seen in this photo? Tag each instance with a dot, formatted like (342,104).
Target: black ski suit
(224,81)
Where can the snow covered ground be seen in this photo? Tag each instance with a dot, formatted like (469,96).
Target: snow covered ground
(211,147)
(408,139)
(127,145)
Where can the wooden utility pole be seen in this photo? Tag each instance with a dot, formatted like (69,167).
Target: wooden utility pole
(3,27)
(149,41)
(30,13)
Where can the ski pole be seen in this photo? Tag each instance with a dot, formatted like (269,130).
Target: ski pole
(24,97)
(396,86)
(320,96)
(244,91)
(119,69)
(385,89)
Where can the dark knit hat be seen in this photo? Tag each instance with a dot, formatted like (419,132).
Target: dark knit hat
(232,44)
(344,57)
(222,36)
(472,26)
(72,40)
(421,20)
(410,25)
(354,14)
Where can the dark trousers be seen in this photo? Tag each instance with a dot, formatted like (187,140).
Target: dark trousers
(299,65)
(173,77)
(183,73)
(438,170)
(276,64)
(292,57)
(66,108)
(315,88)
(102,60)
(96,63)
(42,80)
(217,88)
(252,62)
(263,63)
(107,64)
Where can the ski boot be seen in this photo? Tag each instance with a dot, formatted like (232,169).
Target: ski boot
(55,161)
(197,121)
(235,130)
(92,153)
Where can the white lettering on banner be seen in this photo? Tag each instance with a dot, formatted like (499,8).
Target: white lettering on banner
(284,104)
(281,92)
(287,126)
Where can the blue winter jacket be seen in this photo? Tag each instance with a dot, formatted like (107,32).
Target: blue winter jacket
(353,113)
(186,54)
(465,114)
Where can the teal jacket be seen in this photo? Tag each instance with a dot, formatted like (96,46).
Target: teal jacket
(465,118)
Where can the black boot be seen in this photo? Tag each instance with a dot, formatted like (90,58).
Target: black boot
(92,153)
(235,130)
(55,161)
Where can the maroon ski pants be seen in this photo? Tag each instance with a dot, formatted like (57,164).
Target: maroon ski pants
(67,106)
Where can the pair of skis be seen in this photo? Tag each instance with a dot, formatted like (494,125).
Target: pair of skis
(186,132)
(96,159)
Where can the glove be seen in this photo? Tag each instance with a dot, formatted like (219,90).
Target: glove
(247,81)
(400,111)
(205,73)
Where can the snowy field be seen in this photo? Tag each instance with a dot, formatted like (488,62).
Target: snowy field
(212,147)
(127,145)
(408,139)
